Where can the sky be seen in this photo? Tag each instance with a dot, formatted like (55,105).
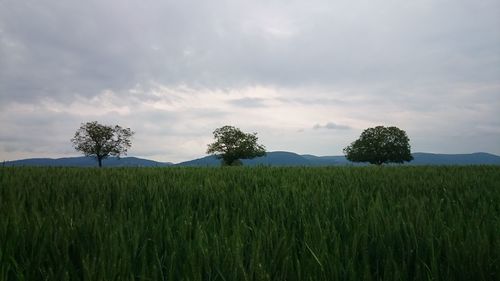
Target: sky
(306,76)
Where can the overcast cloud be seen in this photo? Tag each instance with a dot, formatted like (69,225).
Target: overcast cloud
(307,76)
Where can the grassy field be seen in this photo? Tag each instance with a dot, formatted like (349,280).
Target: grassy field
(369,223)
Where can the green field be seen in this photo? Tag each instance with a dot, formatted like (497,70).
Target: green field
(237,223)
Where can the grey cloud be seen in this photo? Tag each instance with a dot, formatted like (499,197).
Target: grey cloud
(66,48)
(39,131)
(437,60)
(312,101)
(331,126)
(248,102)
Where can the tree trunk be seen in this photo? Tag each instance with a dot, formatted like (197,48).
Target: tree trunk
(99,159)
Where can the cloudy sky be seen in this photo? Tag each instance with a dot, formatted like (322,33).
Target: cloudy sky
(307,76)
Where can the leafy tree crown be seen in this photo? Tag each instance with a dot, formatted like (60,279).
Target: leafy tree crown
(101,141)
(380,145)
(231,145)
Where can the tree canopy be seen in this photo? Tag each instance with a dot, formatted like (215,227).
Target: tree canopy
(231,145)
(101,141)
(380,145)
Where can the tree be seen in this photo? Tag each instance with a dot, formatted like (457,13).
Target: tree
(231,145)
(101,141)
(380,145)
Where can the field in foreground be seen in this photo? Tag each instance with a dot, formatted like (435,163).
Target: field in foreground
(390,223)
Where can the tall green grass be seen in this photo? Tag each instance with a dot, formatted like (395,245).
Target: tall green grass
(370,223)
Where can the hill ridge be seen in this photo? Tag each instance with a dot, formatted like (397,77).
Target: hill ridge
(274,158)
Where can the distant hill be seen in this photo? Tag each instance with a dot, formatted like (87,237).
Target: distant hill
(327,160)
(200,162)
(283,158)
(87,162)
(479,158)
(275,158)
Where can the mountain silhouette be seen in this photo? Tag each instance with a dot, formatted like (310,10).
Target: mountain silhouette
(275,158)
(84,161)
(283,158)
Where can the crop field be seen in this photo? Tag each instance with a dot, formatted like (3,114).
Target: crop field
(239,223)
